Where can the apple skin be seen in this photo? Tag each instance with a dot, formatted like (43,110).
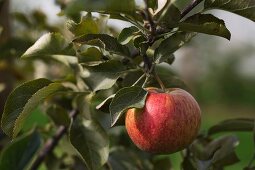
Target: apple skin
(168,122)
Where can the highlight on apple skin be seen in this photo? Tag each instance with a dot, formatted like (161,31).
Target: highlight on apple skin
(168,122)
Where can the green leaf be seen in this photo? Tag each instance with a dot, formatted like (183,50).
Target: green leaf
(168,77)
(244,8)
(125,98)
(87,25)
(134,19)
(83,104)
(49,44)
(103,76)
(52,162)
(20,152)
(232,125)
(37,118)
(127,34)
(170,59)
(39,17)
(163,163)
(100,101)
(189,164)
(224,151)
(131,77)
(168,46)
(59,115)
(91,141)
(103,6)
(105,101)
(218,153)
(167,58)
(92,56)
(153,4)
(18,43)
(181,4)
(141,43)
(249,168)
(205,23)
(121,158)
(203,165)
(110,43)
(168,16)
(22,18)
(65,59)
(23,100)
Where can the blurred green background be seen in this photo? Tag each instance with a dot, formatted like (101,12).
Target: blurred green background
(220,74)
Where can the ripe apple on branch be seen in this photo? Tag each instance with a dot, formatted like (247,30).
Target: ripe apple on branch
(168,122)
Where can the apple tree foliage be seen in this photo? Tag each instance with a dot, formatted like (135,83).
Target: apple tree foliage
(107,72)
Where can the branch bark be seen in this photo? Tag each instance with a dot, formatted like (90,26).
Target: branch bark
(51,143)
(149,18)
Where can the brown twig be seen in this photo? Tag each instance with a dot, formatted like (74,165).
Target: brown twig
(152,24)
(191,6)
(149,17)
(147,63)
(51,143)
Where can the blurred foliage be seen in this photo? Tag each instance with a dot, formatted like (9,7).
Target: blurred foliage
(224,82)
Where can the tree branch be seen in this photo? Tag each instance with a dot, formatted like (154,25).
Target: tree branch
(190,7)
(151,22)
(147,63)
(50,144)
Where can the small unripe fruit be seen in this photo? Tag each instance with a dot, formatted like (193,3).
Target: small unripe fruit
(168,122)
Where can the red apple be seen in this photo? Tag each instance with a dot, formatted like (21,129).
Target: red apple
(168,123)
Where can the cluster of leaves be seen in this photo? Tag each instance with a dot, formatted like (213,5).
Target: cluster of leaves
(108,74)
(25,30)
(30,26)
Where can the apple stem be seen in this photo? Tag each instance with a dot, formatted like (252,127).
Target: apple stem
(159,81)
